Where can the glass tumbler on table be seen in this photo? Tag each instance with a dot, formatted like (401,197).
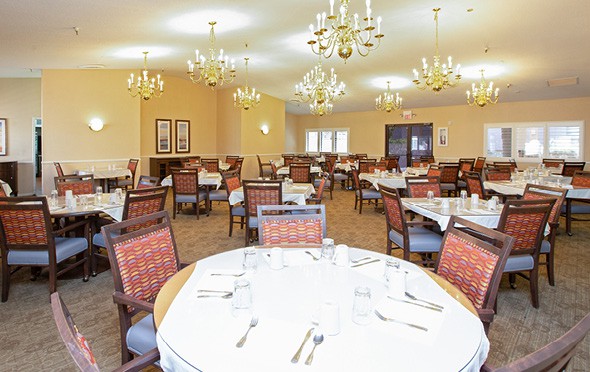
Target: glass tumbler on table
(98,195)
(361,308)
(390,265)
(250,259)
(242,296)
(430,196)
(328,249)
(53,199)
(119,194)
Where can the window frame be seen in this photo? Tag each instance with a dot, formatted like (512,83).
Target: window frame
(319,137)
(546,138)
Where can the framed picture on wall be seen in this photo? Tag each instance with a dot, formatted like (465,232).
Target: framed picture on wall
(443,136)
(183,136)
(163,136)
(2,136)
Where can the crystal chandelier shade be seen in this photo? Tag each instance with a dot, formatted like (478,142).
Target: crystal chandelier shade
(483,94)
(145,87)
(387,102)
(244,98)
(345,34)
(438,76)
(320,89)
(211,71)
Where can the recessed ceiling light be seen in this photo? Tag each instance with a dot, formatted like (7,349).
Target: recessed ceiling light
(563,82)
(92,66)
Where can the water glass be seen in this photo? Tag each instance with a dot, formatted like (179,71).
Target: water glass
(98,194)
(53,199)
(463,195)
(242,296)
(430,196)
(328,249)
(390,265)
(361,307)
(119,194)
(250,259)
(83,200)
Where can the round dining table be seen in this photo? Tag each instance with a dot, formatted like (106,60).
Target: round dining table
(198,329)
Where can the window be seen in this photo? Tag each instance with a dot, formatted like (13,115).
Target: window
(326,140)
(531,142)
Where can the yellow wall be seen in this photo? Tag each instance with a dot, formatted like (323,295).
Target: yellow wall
(229,129)
(367,129)
(291,133)
(20,102)
(70,99)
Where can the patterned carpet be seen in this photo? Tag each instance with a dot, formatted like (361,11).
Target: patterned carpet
(30,340)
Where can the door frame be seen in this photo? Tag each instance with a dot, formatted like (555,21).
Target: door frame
(409,142)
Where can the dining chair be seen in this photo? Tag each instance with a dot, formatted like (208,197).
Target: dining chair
(434,170)
(186,190)
(287,159)
(78,346)
(471,262)
(232,182)
(274,171)
(465,165)
(147,182)
(474,185)
(510,165)
(361,194)
(300,172)
(195,159)
(479,164)
(316,198)
(264,169)
(535,192)
(137,203)
(409,236)
(380,165)
(553,163)
(259,192)
(28,238)
(418,187)
(525,221)
(418,162)
(58,169)
(79,185)
(571,167)
(142,261)
(360,156)
(449,176)
(364,164)
(231,159)
(392,163)
(291,224)
(580,179)
(497,173)
(125,182)
(211,164)
(552,357)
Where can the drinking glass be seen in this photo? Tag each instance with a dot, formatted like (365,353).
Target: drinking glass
(328,249)
(250,259)
(361,308)
(390,265)
(430,196)
(242,296)
(53,200)
(98,194)
(83,200)
(119,194)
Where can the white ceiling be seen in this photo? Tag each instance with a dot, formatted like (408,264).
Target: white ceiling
(529,41)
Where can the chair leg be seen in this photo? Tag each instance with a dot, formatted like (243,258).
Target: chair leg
(197,209)
(231,223)
(512,280)
(52,278)
(550,268)
(389,247)
(534,279)
(174,206)
(5,282)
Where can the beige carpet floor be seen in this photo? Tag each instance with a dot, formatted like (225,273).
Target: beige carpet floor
(29,340)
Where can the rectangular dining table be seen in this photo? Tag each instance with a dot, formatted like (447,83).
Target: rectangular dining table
(103,175)
(207,179)
(284,171)
(297,193)
(108,205)
(393,180)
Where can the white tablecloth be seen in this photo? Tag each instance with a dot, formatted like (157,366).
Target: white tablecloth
(209,179)
(416,171)
(284,171)
(517,188)
(298,193)
(346,166)
(397,181)
(100,174)
(477,214)
(6,187)
(201,333)
(115,209)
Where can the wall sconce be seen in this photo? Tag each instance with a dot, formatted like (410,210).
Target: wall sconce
(96,124)
(264,129)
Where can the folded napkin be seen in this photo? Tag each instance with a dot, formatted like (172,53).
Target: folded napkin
(374,270)
(295,257)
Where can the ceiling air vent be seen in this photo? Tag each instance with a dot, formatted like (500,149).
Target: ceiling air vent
(563,82)
(91,66)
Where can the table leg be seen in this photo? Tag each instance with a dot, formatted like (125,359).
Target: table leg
(568,216)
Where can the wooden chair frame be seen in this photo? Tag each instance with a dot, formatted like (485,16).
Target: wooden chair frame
(74,179)
(251,205)
(421,180)
(233,209)
(359,198)
(178,205)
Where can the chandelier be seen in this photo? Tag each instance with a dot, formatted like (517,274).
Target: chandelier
(345,33)
(213,70)
(386,101)
(484,94)
(320,89)
(437,76)
(243,98)
(145,87)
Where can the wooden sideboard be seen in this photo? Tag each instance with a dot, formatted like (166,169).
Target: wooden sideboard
(160,167)
(9,174)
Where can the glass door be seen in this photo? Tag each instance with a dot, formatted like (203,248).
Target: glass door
(408,141)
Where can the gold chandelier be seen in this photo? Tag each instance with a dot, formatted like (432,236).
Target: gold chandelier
(244,98)
(320,89)
(437,76)
(387,102)
(345,33)
(145,87)
(213,70)
(483,94)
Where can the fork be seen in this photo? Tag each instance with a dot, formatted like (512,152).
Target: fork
(412,297)
(253,323)
(227,274)
(386,319)
(312,255)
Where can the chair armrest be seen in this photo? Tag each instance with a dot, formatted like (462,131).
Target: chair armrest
(140,362)
(486,315)
(71,227)
(124,299)
(486,368)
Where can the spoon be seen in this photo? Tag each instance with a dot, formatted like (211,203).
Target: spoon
(317,339)
(253,323)
(312,256)
(298,353)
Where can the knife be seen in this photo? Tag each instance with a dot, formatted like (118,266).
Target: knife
(366,263)
(413,303)
(298,353)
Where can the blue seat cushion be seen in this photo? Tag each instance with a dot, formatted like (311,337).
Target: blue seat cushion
(521,262)
(578,208)
(422,240)
(339,177)
(190,198)
(141,337)
(545,246)
(64,248)
(370,194)
(238,211)
(253,222)
(448,186)
(218,195)
(98,239)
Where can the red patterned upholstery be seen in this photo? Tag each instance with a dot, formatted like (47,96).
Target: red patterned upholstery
(449,174)
(393,212)
(581,179)
(466,166)
(468,267)
(553,163)
(58,169)
(283,231)
(211,165)
(381,166)
(232,183)
(24,226)
(77,187)
(418,187)
(146,262)
(571,168)
(474,186)
(142,208)
(185,183)
(554,215)
(287,160)
(479,163)
(231,160)
(300,172)
(433,171)
(365,164)
(498,174)
(524,229)
(132,165)
(2,192)
(258,197)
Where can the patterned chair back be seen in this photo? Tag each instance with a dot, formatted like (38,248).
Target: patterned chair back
(147,182)
(497,174)
(300,172)
(381,166)
(25,224)
(472,264)
(479,163)
(474,184)
(185,181)
(287,160)
(571,168)
(363,156)
(346,158)
(392,163)
(538,192)
(232,181)
(142,202)
(581,179)
(525,221)
(193,160)
(434,171)
(78,184)
(261,192)
(2,192)
(418,187)
(211,165)
(302,224)
(142,261)
(553,163)
(394,211)
(58,169)
(132,166)
(510,165)
(416,163)
(449,173)
(365,164)
(231,159)
(466,164)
